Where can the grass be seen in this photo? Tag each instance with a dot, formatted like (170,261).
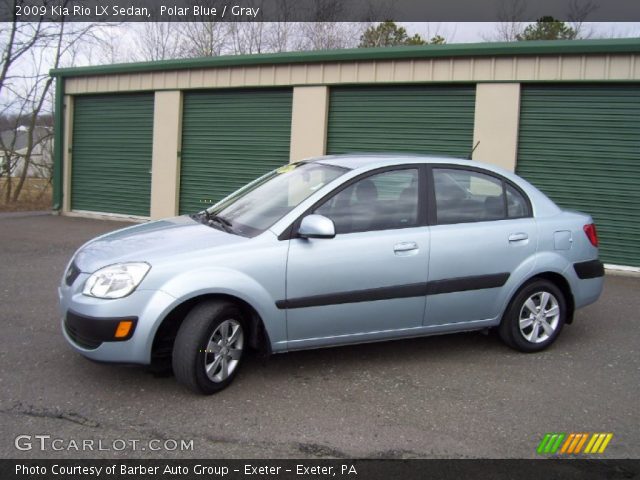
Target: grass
(35,195)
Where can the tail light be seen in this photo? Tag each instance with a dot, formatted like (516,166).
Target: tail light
(590,232)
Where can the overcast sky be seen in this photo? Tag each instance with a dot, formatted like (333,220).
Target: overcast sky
(463,32)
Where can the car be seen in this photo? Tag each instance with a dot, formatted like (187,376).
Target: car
(331,251)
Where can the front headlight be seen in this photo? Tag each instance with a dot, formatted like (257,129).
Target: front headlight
(115,281)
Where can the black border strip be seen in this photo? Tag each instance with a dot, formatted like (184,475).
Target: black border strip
(436,287)
(590,269)
(553,467)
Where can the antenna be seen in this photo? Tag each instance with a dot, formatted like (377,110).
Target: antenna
(473,150)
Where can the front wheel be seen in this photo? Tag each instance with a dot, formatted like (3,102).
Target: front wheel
(209,347)
(534,317)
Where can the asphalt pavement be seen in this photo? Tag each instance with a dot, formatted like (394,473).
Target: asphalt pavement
(462,396)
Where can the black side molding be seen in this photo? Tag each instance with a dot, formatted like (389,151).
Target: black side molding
(449,285)
(462,284)
(590,269)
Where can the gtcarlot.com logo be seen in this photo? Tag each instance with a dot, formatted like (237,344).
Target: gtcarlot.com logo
(574,443)
(47,442)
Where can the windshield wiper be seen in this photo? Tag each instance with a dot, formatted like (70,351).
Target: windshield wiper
(225,224)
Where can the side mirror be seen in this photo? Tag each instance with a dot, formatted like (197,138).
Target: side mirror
(316,226)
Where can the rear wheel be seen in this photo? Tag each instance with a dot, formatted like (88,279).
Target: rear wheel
(209,347)
(534,317)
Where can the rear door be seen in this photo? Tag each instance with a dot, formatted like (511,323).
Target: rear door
(482,230)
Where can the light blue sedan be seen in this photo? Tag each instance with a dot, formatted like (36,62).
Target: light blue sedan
(333,251)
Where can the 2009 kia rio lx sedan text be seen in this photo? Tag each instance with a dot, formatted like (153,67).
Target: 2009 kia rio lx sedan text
(332,251)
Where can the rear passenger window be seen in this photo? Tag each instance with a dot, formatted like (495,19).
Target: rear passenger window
(516,204)
(469,196)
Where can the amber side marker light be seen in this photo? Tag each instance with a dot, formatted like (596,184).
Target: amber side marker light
(124,327)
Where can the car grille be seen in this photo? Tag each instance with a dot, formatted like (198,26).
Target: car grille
(72,274)
(80,339)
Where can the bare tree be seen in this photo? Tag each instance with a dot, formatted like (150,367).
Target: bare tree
(204,39)
(281,35)
(329,35)
(17,39)
(510,25)
(578,13)
(248,37)
(160,41)
(30,50)
(326,31)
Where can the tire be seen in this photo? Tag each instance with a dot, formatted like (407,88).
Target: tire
(532,331)
(212,336)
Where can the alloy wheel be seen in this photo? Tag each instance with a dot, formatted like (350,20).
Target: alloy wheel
(224,350)
(539,317)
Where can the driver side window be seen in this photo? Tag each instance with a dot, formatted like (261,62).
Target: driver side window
(384,201)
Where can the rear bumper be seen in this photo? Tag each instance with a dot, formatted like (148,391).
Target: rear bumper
(586,280)
(590,269)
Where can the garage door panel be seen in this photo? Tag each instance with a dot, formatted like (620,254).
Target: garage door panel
(229,138)
(111,153)
(581,146)
(414,119)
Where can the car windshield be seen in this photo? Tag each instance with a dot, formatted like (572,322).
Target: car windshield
(258,205)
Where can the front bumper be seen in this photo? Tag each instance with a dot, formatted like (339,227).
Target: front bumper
(90,333)
(88,324)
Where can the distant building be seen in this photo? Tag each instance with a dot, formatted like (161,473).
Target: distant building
(14,144)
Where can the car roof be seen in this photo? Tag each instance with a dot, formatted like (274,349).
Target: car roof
(359,160)
(368,161)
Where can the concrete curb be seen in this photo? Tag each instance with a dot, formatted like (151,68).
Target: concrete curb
(622,271)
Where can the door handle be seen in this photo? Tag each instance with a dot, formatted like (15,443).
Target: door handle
(518,237)
(405,247)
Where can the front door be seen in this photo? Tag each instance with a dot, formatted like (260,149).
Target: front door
(369,280)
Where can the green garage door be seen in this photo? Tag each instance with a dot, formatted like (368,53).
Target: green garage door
(580,144)
(420,119)
(111,153)
(230,137)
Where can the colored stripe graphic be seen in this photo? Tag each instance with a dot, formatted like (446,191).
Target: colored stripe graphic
(598,443)
(543,443)
(605,443)
(568,443)
(581,443)
(550,443)
(557,443)
(572,443)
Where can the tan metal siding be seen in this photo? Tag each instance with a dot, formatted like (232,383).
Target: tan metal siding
(617,67)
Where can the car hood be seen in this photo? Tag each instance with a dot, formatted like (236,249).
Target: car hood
(150,242)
